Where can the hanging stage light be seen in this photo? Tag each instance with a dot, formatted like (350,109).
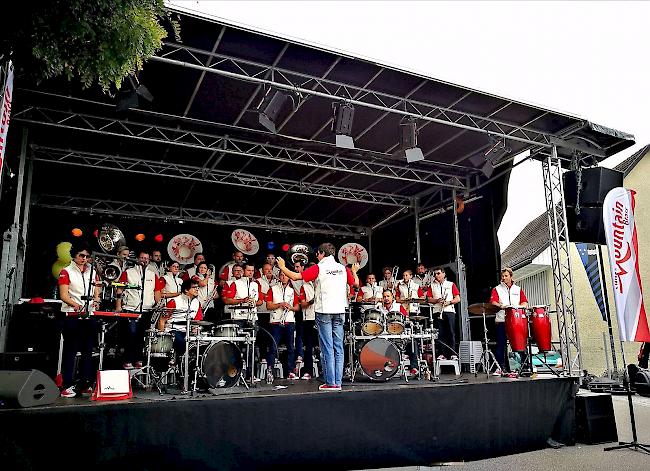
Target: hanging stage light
(272,104)
(409,141)
(129,95)
(342,125)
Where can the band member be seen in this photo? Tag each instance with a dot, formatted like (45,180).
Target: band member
(186,305)
(371,293)
(172,281)
(266,282)
(387,305)
(140,299)
(121,262)
(409,293)
(270,259)
(388,282)
(156,264)
(242,295)
(330,292)
(79,331)
(308,326)
(297,287)
(283,304)
(507,293)
(225,273)
(444,295)
(207,287)
(191,271)
(422,277)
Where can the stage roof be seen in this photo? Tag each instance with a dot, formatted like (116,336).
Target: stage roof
(202,128)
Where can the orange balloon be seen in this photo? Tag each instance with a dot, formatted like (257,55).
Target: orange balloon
(139,237)
(460,205)
(77,232)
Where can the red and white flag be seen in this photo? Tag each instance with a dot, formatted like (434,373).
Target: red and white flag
(620,230)
(5,111)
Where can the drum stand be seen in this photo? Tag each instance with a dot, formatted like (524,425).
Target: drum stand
(528,361)
(488,360)
(102,340)
(147,371)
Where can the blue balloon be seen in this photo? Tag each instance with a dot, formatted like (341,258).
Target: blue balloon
(270,245)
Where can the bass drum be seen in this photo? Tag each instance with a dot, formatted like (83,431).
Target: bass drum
(379,359)
(220,364)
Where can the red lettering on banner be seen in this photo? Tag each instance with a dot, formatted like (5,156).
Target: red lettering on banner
(619,224)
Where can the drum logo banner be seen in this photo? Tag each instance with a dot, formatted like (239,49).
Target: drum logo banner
(620,231)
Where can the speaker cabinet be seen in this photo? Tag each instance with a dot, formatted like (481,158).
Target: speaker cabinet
(642,383)
(596,182)
(587,226)
(595,422)
(27,388)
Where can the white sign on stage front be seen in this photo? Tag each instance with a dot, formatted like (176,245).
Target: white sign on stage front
(623,247)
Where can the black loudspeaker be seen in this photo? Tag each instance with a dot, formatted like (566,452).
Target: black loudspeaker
(587,226)
(596,182)
(642,383)
(595,422)
(46,362)
(27,388)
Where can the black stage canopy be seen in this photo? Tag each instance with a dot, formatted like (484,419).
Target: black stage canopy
(198,152)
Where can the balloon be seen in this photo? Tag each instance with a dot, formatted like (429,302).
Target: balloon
(63,252)
(77,232)
(57,267)
(460,205)
(158,238)
(139,237)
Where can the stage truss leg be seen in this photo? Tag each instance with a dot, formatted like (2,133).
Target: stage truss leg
(561,264)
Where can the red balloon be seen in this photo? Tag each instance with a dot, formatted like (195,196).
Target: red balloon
(96,233)
(77,232)
(158,238)
(285,247)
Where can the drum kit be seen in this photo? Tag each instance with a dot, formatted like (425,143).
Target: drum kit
(215,356)
(524,325)
(377,342)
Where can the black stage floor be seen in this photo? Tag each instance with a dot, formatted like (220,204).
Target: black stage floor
(292,424)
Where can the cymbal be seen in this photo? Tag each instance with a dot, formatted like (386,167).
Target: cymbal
(194,322)
(418,318)
(479,308)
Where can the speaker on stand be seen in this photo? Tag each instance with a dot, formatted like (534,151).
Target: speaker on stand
(27,388)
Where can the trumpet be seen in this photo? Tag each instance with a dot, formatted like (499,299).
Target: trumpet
(393,279)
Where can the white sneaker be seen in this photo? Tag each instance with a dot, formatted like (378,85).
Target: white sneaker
(454,357)
(306,376)
(69,392)
(497,373)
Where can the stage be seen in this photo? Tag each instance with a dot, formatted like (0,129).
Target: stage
(366,425)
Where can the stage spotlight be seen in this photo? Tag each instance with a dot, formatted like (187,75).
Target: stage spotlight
(409,141)
(129,95)
(272,104)
(342,125)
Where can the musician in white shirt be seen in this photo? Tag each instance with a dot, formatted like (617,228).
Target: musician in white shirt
(242,295)
(371,292)
(173,282)
(409,293)
(283,303)
(444,295)
(207,287)
(388,282)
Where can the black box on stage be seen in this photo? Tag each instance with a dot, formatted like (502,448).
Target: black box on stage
(34,327)
(596,182)
(16,361)
(587,226)
(642,383)
(27,388)
(595,421)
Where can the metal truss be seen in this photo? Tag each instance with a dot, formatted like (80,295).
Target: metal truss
(237,147)
(305,84)
(206,216)
(561,262)
(188,172)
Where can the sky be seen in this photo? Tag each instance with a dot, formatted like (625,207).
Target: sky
(588,59)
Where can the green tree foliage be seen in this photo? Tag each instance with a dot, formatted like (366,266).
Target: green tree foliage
(96,41)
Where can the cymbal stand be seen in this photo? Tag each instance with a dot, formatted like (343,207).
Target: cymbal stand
(102,339)
(147,371)
(353,366)
(434,376)
(488,360)
(250,355)
(186,359)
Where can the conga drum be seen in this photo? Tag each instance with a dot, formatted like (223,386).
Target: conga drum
(541,328)
(517,327)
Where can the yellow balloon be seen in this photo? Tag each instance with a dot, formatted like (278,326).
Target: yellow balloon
(57,267)
(63,252)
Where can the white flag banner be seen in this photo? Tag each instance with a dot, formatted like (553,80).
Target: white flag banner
(5,111)
(620,230)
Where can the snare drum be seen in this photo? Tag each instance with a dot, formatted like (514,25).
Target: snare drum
(372,322)
(226,330)
(395,322)
(517,327)
(162,344)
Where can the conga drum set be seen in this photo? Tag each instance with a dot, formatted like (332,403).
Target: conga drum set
(525,325)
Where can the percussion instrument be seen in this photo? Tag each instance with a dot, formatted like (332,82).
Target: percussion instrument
(219,364)
(479,309)
(372,322)
(193,322)
(395,322)
(517,327)
(226,330)
(162,343)
(541,327)
(379,359)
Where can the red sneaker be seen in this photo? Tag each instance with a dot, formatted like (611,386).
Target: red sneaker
(329,387)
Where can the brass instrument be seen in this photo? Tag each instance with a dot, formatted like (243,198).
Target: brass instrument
(110,238)
(393,280)
(300,252)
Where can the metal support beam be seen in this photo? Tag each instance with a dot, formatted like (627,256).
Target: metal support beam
(416,215)
(172,213)
(465,332)
(567,321)
(188,172)
(237,147)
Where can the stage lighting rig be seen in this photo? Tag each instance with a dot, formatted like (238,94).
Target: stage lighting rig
(272,104)
(409,140)
(129,95)
(342,124)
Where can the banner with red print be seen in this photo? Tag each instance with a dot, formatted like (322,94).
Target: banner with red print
(5,111)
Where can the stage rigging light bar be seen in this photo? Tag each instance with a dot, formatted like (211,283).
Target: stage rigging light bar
(271,106)
(342,125)
(409,141)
